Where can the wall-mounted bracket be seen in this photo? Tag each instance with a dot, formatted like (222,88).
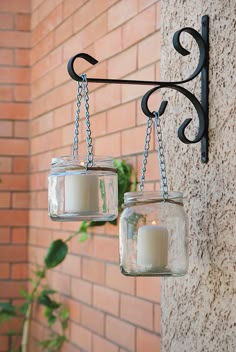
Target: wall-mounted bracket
(202,67)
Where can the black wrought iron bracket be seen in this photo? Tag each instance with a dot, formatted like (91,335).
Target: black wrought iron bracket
(202,68)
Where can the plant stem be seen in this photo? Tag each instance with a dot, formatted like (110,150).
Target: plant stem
(25,333)
(84,223)
(27,317)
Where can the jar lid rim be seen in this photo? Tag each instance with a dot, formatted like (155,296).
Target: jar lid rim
(68,158)
(153,194)
(151,197)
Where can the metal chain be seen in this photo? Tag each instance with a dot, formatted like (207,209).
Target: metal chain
(164,185)
(83,92)
(76,130)
(87,122)
(145,152)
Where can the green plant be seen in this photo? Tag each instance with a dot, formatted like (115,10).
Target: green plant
(42,294)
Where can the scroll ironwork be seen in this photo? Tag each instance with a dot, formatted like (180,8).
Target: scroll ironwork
(201,106)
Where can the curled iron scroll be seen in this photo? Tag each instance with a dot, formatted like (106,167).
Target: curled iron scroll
(181,131)
(181,50)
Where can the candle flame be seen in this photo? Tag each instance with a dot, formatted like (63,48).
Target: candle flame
(153,222)
(82,163)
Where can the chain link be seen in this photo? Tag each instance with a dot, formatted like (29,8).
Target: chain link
(83,92)
(145,152)
(76,130)
(87,122)
(164,185)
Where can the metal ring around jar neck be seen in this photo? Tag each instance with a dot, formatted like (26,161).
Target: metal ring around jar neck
(84,168)
(150,201)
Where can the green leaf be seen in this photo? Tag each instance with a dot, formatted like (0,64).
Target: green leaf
(124,172)
(43,343)
(47,312)
(48,291)
(64,314)
(134,185)
(56,254)
(64,325)
(46,301)
(4,317)
(51,320)
(12,332)
(33,282)
(84,226)
(83,237)
(40,274)
(54,305)
(53,344)
(113,222)
(7,308)
(24,307)
(25,294)
(97,223)
(7,312)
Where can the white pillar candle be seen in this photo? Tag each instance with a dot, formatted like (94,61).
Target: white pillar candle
(152,247)
(81,193)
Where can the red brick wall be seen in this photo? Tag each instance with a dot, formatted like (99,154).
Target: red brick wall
(14,149)
(109,312)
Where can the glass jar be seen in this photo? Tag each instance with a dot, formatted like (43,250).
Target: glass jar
(76,193)
(153,235)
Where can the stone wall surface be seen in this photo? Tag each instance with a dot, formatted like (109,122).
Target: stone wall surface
(199,310)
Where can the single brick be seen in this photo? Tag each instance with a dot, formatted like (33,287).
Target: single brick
(5,200)
(106,299)
(121,117)
(81,290)
(121,333)
(123,63)
(121,12)
(106,248)
(137,311)
(6,21)
(4,271)
(93,270)
(93,319)
(102,345)
(14,111)
(139,27)
(80,336)
(6,128)
(148,288)
(147,342)
(19,271)
(117,281)
(6,93)
(22,22)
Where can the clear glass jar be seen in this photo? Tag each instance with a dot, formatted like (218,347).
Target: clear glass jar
(76,193)
(153,235)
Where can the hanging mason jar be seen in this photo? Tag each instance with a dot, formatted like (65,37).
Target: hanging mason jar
(82,188)
(153,235)
(153,226)
(80,193)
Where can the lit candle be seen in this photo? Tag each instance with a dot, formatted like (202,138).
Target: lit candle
(152,247)
(81,193)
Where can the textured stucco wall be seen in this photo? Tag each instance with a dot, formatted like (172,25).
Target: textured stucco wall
(199,310)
